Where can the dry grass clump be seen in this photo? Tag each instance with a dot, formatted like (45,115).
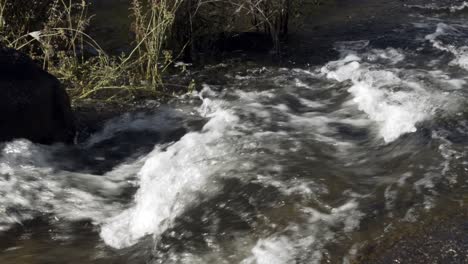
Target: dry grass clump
(53,32)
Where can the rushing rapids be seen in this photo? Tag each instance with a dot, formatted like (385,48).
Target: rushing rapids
(277,165)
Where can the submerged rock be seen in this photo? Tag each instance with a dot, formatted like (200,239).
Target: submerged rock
(33,104)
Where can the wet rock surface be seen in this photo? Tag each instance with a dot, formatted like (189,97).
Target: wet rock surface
(33,104)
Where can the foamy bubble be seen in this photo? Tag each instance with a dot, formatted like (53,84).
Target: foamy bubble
(29,187)
(305,242)
(436,7)
(275,250)
(172,179)
(460,53)
(396,105)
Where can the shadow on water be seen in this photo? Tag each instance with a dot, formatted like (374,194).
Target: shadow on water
(124,146)
(122,139)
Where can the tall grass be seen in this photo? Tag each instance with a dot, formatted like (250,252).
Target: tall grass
(2,18)
(49,35)
(152,28)
(53,32)
(57,39)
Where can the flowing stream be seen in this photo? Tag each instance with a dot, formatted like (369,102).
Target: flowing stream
(271,164)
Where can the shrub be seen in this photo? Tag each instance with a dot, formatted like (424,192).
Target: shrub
(53,32)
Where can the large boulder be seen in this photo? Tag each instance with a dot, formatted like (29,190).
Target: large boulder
(33,104)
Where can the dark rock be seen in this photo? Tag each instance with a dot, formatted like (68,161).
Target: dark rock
(33,104)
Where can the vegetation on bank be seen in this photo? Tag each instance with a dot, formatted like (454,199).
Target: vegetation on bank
(54,33)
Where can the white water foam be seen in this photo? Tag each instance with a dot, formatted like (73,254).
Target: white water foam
(178,177)
(173,179)
(395,104)
(274,250)
(460,53)
(432,6)
(305,242)
(30,184)
(29,187)
(459,7)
